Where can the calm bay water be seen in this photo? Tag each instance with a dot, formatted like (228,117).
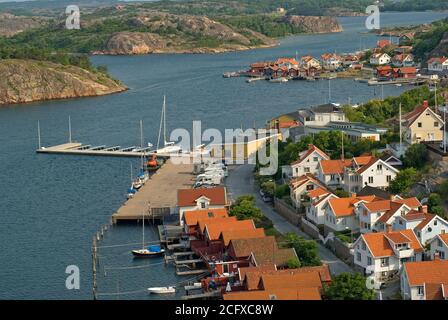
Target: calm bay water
(51,206)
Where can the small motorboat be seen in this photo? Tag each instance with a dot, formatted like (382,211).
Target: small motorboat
(151,251)
(278,80)
(162,290)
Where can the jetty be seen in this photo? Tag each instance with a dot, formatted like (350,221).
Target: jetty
(158,197)
(76,148)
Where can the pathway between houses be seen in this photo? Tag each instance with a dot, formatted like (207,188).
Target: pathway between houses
(241,182)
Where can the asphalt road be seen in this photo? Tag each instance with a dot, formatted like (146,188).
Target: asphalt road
(241,182)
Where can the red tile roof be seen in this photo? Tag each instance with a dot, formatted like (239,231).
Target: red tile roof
(419,273)
(228,235)
(224,220)
(213,229)
(343,207)
(318,192)
(444,238)
(428,219)
(275,294)
(192,217)
(188,197)
(380,247)
(383,43)
(292,281)
(334,166)
(299,181)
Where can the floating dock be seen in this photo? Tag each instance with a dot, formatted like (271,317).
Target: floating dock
(158,197)
(76,148)
(205,295)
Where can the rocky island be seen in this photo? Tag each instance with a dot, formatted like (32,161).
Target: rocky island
(29,80)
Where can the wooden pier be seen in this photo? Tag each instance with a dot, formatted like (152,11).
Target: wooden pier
(206,295)
(158,197)
(76,148)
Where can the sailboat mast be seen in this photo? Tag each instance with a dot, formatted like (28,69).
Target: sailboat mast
(143,230)
(401,134)
(160,126)
(164,120)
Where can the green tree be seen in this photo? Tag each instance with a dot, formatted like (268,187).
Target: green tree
(349,286)
(404,180)
(282,191)
(268,188)
(293,263)
(435,205)
(244,208)
(416,156)
(307,250)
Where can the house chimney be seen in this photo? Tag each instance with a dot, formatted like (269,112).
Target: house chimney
(353,194)
(436,256)
(388,228)
(425,103)
(423,209)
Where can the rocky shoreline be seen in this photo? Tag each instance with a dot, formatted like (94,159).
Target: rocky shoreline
(28,81)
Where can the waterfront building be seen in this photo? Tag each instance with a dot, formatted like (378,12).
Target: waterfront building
(422,124)
(201,199)
(309,62)
(425,280)
(383,43)
(403,60)
(191,218)
(330,61)
(438,64)
(355,131)
(384,253)
(406,38)
(379,59)
(321,115)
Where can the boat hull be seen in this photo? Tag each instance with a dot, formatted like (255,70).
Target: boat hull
(140,254)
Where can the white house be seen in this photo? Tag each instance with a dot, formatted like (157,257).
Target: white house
(438,64)
(331,172)
(375,173)
(378,215)
(315,209)
(300,186)
(200,199)
(425,280)
(430,226)
(379,59)
(310,62)
(383,254)
(330,61)
(403,60)
(308,161)
(439,246)
(321,115)
(342,213)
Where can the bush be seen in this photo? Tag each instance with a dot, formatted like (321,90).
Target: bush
(282,191)
(404,180)
(349,286)
(307,250)
(416,156)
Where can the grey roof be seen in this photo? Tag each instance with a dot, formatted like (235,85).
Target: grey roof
(371,191)
(326,108)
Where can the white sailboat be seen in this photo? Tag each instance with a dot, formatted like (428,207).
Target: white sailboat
(151,251)
(162,290)
(168,146)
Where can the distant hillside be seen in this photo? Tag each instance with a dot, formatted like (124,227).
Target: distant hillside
(29,80)
(11,24)
(433,42)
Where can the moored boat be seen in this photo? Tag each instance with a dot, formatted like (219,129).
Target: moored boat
(162,290)
(151,251)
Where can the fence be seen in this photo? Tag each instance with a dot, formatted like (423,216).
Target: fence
(286,211)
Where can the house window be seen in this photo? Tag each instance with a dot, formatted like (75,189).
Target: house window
(436,124)
(439,243)
(370,179)
(385,262)
(306,169)
(364,246)
(369,261)
(419,124)
(315,159)
(388,178)
(358,256)
(435,222)
(420,290)
(203,205)
(379,167)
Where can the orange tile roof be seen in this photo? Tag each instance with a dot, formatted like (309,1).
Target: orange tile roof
(188,197)
(444,238)
(317,192)
(383,43)
(276,294)
(286,60)
(228,235)
(410,202)
(366,166)
(253,275)
(203,222)
(311,148)
(292,281)
(380,247)
(397,238)
(363,160)
(191,217)
(434,291)
(213,230)
(422,272)
(342,207)
(334,166)
(390,207)
(299,181)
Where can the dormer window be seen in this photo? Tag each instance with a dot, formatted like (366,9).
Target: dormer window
(203,204)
